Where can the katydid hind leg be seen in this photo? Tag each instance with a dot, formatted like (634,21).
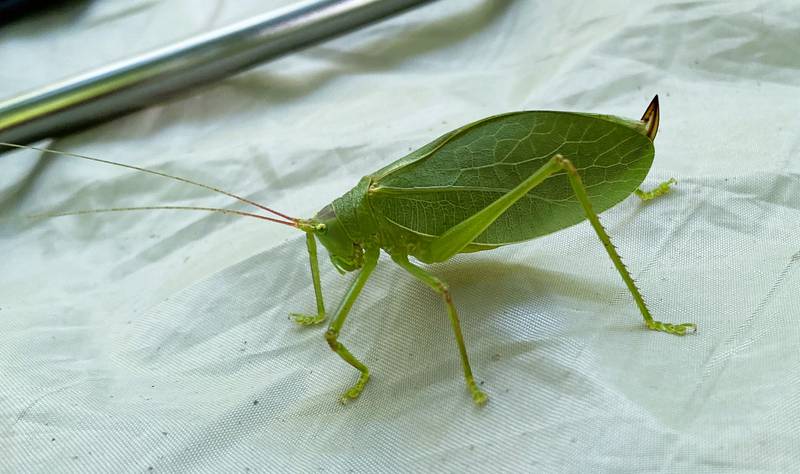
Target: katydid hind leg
(460,235)
(332,334)
(478,396)
(580,193)
(311,319)
(660,190)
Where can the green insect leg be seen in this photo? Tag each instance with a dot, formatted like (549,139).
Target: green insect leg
(580,192)
(460,235)
(440,287)
(309,319)
(659,190)
(332,334)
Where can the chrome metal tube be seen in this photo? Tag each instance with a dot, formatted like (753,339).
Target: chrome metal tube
(143,80)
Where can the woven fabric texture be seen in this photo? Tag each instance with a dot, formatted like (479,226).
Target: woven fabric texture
(160,341)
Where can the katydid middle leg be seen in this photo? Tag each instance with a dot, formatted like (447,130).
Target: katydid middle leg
(440,287)
(460,235)
(332,334)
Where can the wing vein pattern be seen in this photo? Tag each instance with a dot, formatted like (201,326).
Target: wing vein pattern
(459,173)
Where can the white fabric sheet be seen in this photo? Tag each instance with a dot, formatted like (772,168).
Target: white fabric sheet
(160,341)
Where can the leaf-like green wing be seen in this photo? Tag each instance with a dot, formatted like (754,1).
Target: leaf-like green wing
(451,178)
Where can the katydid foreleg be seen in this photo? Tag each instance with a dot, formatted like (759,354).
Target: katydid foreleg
(440,287)
(332,334)
(309,319)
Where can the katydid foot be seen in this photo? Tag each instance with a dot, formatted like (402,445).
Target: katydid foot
(478,396)
(353,392)
(677,329)
(332,335)
(308,319)
(659,190)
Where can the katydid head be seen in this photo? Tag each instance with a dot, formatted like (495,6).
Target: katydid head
(345,254)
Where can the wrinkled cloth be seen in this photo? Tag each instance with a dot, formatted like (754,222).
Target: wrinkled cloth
(160,341)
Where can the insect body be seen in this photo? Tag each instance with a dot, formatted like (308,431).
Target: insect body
(501,180)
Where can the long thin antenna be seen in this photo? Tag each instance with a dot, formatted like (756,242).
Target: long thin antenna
(160,208)
(157,173)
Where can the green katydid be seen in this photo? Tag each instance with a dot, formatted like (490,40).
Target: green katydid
(501,180)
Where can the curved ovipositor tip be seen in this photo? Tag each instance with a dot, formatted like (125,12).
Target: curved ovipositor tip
(650,118)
